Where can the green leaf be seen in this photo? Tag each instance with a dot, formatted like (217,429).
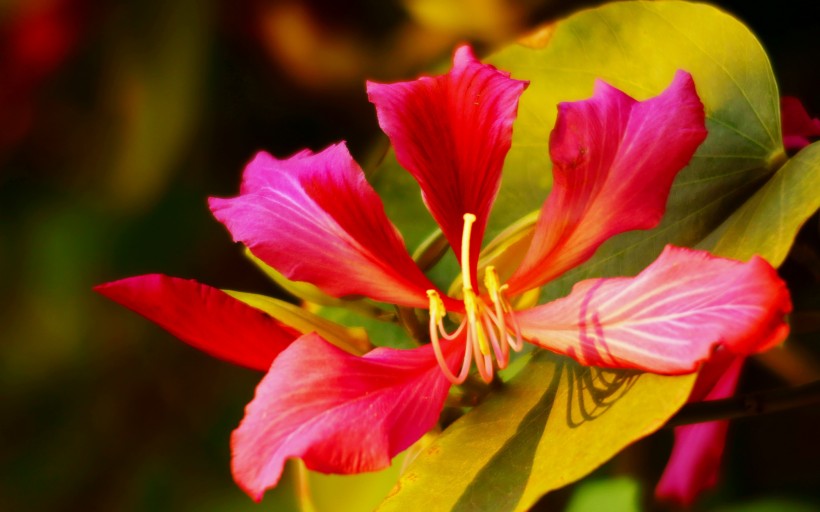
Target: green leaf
(350,339)
(311,294)
(404,207)
(637,47)
(551,425)
(352,493)
(526,439)
(769,221)
(613,495)
(382,333)
(402,201)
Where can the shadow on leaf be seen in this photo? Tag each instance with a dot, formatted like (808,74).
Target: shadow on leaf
(591,391)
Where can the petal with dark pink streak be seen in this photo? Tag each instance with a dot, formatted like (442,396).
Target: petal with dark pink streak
(670,318)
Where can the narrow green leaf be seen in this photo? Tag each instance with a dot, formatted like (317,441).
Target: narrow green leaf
(383,332)
(310,293)
(769,221)
(552,424)
(351,339)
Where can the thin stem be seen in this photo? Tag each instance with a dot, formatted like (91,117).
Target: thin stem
(752,404)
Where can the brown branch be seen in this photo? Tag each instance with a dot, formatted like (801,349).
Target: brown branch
(752,404)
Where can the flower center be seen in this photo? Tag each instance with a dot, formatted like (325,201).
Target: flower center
(488,337)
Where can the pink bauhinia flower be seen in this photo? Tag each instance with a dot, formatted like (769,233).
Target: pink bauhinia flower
(797,126)
(313,217)
(694,465)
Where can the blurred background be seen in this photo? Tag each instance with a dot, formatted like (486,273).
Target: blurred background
(119,119)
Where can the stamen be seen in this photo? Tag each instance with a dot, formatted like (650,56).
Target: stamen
(484,363)
(500,349)
(503,309)
(487,335)
(437,313)
(471,305)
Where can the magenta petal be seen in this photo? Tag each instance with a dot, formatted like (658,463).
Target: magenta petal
(314,218)
(338,412)
(694,464)
(797,126)
(204,317)
(614,160)
(669,318)
(452,132)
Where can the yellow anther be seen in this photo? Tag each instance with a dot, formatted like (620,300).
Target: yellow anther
(470,304)
(437,309)
(491,282)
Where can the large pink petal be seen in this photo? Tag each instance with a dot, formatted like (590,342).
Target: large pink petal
(614,160)
(452,133)
(338,412)
(669,318)
(694,464)
(314,218)
(798,127)
(204,317)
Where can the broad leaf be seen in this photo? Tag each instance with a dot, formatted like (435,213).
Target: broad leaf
(352,493)
(637,47)
(768,222)
(622,494)
(527,440)
(551,425)
(403,204)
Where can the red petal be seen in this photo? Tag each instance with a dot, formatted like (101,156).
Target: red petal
(452,133)
(204,317)
(314,218)
(669,318)
(796,123)
(614,160)
(694,464)
(337,412)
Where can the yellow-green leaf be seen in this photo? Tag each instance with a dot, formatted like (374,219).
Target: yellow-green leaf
(351,339)
(527,439)
(637,47)
(551,425)
(768,222)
